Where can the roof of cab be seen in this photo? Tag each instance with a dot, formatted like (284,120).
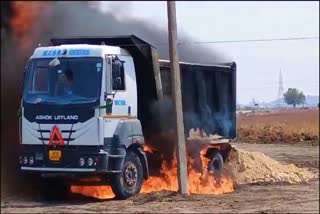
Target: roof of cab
(95,50)
(123,45)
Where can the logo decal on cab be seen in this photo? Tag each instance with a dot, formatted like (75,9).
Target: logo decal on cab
(119,102)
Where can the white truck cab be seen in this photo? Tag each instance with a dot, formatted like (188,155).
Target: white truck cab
(79,115)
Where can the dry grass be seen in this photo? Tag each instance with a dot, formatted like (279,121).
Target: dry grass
(281,126)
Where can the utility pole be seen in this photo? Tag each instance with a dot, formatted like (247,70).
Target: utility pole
(176,86)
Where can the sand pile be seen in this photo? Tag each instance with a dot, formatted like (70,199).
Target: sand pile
(256,167)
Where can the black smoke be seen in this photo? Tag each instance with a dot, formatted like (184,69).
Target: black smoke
(78,20)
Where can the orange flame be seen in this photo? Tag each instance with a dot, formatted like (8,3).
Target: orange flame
(149,149)
(199,183)
(101,192)
(24,23)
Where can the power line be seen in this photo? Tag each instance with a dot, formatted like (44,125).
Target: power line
(253,40)
(225,41)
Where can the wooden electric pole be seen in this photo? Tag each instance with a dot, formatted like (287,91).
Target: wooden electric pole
(176,86)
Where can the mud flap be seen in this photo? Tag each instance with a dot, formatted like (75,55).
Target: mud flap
(144,162)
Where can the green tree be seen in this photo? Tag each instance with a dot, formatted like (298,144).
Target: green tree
(294,97)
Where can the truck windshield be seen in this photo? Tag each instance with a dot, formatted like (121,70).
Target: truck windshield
(71,80)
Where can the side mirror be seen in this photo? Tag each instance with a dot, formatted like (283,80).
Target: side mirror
(118,82)
(117,68)
(116,74)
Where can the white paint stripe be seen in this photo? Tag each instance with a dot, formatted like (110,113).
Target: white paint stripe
(57,169)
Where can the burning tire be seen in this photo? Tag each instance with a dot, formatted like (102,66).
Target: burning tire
(129,181)
(215,166)
(55,189)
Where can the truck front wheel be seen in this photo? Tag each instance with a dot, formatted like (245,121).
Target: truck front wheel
(129,181)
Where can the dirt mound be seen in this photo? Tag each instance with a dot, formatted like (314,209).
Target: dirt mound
(167,196)
(256,167)
(163,196)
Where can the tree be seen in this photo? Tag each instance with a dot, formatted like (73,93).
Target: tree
(294,97)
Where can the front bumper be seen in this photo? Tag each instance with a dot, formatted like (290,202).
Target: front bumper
(105,161)
(48,169)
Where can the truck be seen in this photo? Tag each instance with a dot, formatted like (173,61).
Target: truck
(86,111)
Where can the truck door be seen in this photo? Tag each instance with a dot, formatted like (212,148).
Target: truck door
(120,105)
(121,91)
(123,87)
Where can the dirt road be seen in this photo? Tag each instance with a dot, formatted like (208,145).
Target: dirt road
(264,198)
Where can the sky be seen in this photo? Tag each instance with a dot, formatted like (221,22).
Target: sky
(258,63)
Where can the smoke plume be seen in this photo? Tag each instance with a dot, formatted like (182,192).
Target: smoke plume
(77,19)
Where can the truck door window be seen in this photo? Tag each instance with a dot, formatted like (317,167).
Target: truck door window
(118,74)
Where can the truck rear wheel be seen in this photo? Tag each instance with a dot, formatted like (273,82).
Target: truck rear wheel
(129,181)
(55,189)
(215,165)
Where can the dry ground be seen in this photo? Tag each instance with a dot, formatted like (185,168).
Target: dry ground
(270,198)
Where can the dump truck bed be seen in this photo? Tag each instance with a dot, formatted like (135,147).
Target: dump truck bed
(208,96)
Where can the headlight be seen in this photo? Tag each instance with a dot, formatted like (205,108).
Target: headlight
(25,160)
(90,161)
(31,160)
(81,161)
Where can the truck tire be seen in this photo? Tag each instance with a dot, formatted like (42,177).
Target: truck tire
(55,189)
(215,166)
(129,181)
